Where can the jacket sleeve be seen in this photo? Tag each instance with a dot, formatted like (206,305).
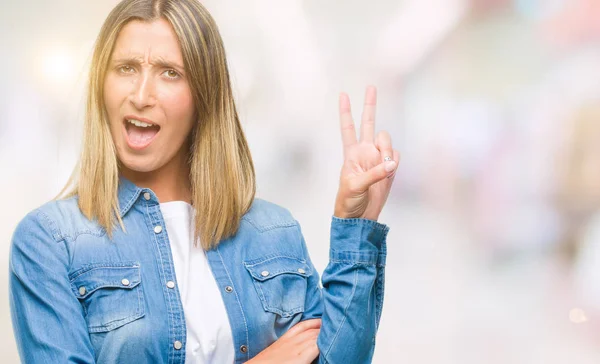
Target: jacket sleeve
(351,298)
(48,321)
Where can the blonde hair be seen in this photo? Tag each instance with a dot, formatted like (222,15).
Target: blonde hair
(222,174)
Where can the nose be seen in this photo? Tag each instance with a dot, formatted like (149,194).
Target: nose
(143,92)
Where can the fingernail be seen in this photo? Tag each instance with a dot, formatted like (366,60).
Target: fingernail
(390,166)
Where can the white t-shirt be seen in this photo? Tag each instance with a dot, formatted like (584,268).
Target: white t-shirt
(209,338)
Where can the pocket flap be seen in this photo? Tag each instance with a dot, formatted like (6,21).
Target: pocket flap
(87,280)
(268,268)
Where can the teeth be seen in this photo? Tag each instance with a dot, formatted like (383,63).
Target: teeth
(139,123)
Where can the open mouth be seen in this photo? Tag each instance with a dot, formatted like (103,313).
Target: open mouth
(140,133)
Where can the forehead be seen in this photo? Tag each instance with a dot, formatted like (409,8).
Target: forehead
(143,39)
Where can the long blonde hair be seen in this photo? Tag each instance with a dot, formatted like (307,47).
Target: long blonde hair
(221,169)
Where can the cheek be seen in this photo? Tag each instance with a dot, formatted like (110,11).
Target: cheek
(113,99)
(179,106)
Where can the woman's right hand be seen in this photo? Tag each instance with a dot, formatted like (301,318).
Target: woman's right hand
(297,346)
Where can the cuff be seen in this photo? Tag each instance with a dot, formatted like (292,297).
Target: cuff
(358,241)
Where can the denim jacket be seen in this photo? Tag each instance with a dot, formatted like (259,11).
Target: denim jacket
(77,296)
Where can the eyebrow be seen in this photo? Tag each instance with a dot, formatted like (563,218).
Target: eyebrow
(159,61)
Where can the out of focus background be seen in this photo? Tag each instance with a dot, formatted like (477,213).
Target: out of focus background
(494,248)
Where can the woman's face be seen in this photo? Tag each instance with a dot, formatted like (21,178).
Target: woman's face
(148,98)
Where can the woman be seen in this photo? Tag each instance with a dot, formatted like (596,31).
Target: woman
(110,273)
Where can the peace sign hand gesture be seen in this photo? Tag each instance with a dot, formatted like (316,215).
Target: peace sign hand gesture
(369,164)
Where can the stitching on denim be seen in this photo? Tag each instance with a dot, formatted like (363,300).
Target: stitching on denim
(141,302)
(85,311)
(381,259)
(380,295)
(175,304)
(149,224)
(267,258)
(352,262)
(131,201)
(356,257)
(274,274)
(266,228)
(258,284)
(51,225)
(238,301)
(93,288)
(362,222)
(100,232)
(345,313)
(287,313)
(93,266)
(59,235)
(54,231)
(261,294)
(113,324)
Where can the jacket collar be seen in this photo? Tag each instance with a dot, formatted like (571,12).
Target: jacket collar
(127,193)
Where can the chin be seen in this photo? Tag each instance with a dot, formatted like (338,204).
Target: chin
(138,163)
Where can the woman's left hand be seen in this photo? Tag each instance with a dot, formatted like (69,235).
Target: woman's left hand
(370,163)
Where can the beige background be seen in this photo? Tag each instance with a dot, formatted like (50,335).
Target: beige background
(493,250)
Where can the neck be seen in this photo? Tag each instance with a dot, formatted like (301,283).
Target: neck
(170,182)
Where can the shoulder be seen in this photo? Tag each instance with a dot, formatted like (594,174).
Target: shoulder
(40,238)
(269,230)
(61,219)
(264,215)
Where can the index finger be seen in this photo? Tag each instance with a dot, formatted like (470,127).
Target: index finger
(303,326)
(346,122)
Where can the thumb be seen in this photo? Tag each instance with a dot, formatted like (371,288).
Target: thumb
(376,174)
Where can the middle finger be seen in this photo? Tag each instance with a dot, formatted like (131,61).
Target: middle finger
(367,124)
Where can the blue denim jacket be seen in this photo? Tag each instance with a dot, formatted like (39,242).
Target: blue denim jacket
(77,296)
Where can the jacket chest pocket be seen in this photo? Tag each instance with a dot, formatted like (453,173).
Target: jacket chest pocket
(111,294)
(281,283)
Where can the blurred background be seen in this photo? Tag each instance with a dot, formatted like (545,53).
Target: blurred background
(494,248)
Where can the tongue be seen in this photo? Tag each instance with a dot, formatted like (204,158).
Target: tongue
(140,136)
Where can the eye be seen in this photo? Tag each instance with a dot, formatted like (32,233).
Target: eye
(172,74)
(125,69)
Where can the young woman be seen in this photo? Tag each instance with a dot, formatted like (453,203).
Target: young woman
(159,252)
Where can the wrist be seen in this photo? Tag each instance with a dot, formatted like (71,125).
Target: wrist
(343,214)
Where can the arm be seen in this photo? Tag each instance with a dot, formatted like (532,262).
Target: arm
(352,296)
(353,281)
(351,299)
(48,321)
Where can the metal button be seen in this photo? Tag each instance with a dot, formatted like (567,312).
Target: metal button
(82,290)
(243,348)
(125,282)
(301,271)
(177,345)
(147,195)
(171,284)
(264,273)
(157,229)
(228,289)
